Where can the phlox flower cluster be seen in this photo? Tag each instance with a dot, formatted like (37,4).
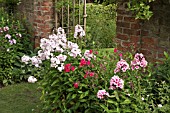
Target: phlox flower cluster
(121,65)
(79,32)
(83,62)
(56,43)
(10,39)
(4,29)
(116,82)
(32,79)
(89,74)
(102,93)
(88,54)
(138,61)
(68,68)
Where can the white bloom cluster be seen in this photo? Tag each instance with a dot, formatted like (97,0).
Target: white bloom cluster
(32,79)
(89,55)
(56,43)
(79,32)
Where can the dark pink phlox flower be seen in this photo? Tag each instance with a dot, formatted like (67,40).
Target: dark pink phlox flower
(115,81)
(76,85)
(121,65)
(82,62)
(91,74)
(72,68)
(91,51)
(115,50)
(88,62)
(88,73)
(102,93)
(68,68)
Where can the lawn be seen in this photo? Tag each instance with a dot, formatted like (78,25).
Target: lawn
(20,98)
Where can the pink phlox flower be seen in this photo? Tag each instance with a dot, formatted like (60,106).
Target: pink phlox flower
(102,93)
(116,82)
(13,41)
(121,65)
(6,28)
(138,61)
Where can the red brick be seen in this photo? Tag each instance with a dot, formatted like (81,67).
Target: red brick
(122,36)
(119,18)
(119,29)
(134,39)
(129,31)
(135,26)
(144,32)
(129,19)
(123,24)
(125,44)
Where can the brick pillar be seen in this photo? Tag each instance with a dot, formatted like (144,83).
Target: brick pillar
(40,16)
(43,19)
(148,37)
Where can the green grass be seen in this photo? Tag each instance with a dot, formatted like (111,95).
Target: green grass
(20,98)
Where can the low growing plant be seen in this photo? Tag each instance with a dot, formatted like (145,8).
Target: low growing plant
(14,42)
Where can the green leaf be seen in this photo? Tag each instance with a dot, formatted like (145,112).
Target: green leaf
(166,55)
(70,89)
(104,107)
(56,81)
(74,96)
(116,95)
(5,81)
(84,94)
(53,92)
(112,102)
(127,101)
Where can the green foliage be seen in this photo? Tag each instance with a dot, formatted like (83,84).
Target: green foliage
(60,95)
(14,41)
(101,26)
(140,8)
(163,69)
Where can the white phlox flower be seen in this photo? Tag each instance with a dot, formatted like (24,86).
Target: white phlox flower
(32,79)
(79,32)
(25,59)
(62,57)
(60,68)
(54,62)
(36,61)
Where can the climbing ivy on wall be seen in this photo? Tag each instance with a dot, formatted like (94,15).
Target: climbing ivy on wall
(141,8)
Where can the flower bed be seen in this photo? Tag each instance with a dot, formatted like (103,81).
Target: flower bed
(73,81)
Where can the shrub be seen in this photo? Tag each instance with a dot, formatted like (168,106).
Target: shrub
(101,26)
(14,41)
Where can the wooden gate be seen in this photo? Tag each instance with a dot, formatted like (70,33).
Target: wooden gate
(69,13)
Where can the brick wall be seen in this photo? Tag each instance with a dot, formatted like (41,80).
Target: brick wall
(151,37)
(40,15)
